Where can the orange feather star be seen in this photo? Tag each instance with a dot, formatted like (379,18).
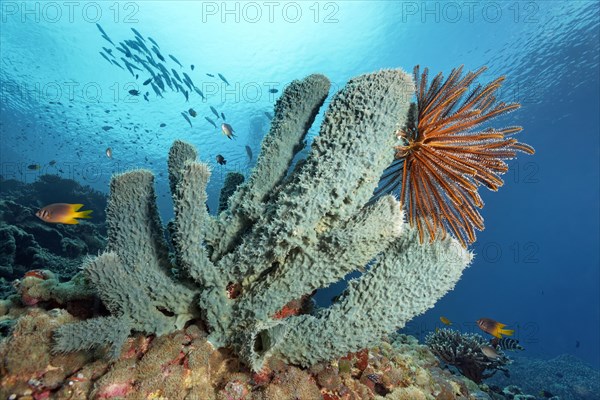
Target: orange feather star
(443,160)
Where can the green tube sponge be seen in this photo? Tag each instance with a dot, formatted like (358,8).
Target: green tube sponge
(295,111)
(362,237)
(232,181)
(93,333)
(135,231)
(191,217)
(343,169)
(133,278)
(407,280)
(282,238)
(179,154)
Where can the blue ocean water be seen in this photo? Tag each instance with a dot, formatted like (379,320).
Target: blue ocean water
(537,263)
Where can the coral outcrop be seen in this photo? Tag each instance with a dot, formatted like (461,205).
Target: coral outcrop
(184,365)
(467,353)
(282,237)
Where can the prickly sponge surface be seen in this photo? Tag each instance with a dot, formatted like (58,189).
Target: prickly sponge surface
(248,273)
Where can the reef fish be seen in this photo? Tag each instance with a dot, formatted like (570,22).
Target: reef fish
(210,121)
(227,130)
(494,328)
(137,34)
(184,115)
(506,344)
(223,79)
(214,111)
(109,153)
(153,41)
(34,167)
(62,213)
(445,321)
(221,160)
(490,352)
(176,60)
(192,112)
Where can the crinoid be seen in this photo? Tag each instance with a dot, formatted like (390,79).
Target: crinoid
(443,158)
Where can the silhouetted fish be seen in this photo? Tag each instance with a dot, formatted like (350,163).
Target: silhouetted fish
(147,81)
(223,79)
(210,121)
(214,111)
(137,34)
(221,160)
(117,64)
(104,35)
(175,74)
(186,118)
(160,57)
(153,41)
(199,92)
(176,60)
(249,152)
(105,57)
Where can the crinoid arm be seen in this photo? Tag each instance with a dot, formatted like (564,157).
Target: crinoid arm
(445,155)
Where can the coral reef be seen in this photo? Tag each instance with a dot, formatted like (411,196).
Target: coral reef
(281,238)
(466,352)
(184,365)
(28,243)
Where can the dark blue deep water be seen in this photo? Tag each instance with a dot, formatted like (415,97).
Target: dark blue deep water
(537,262)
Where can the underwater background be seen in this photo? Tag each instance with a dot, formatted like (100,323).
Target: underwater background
(537,262)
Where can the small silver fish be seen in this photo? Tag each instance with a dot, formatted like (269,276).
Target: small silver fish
(109,153)
(227,130)
(490,352)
